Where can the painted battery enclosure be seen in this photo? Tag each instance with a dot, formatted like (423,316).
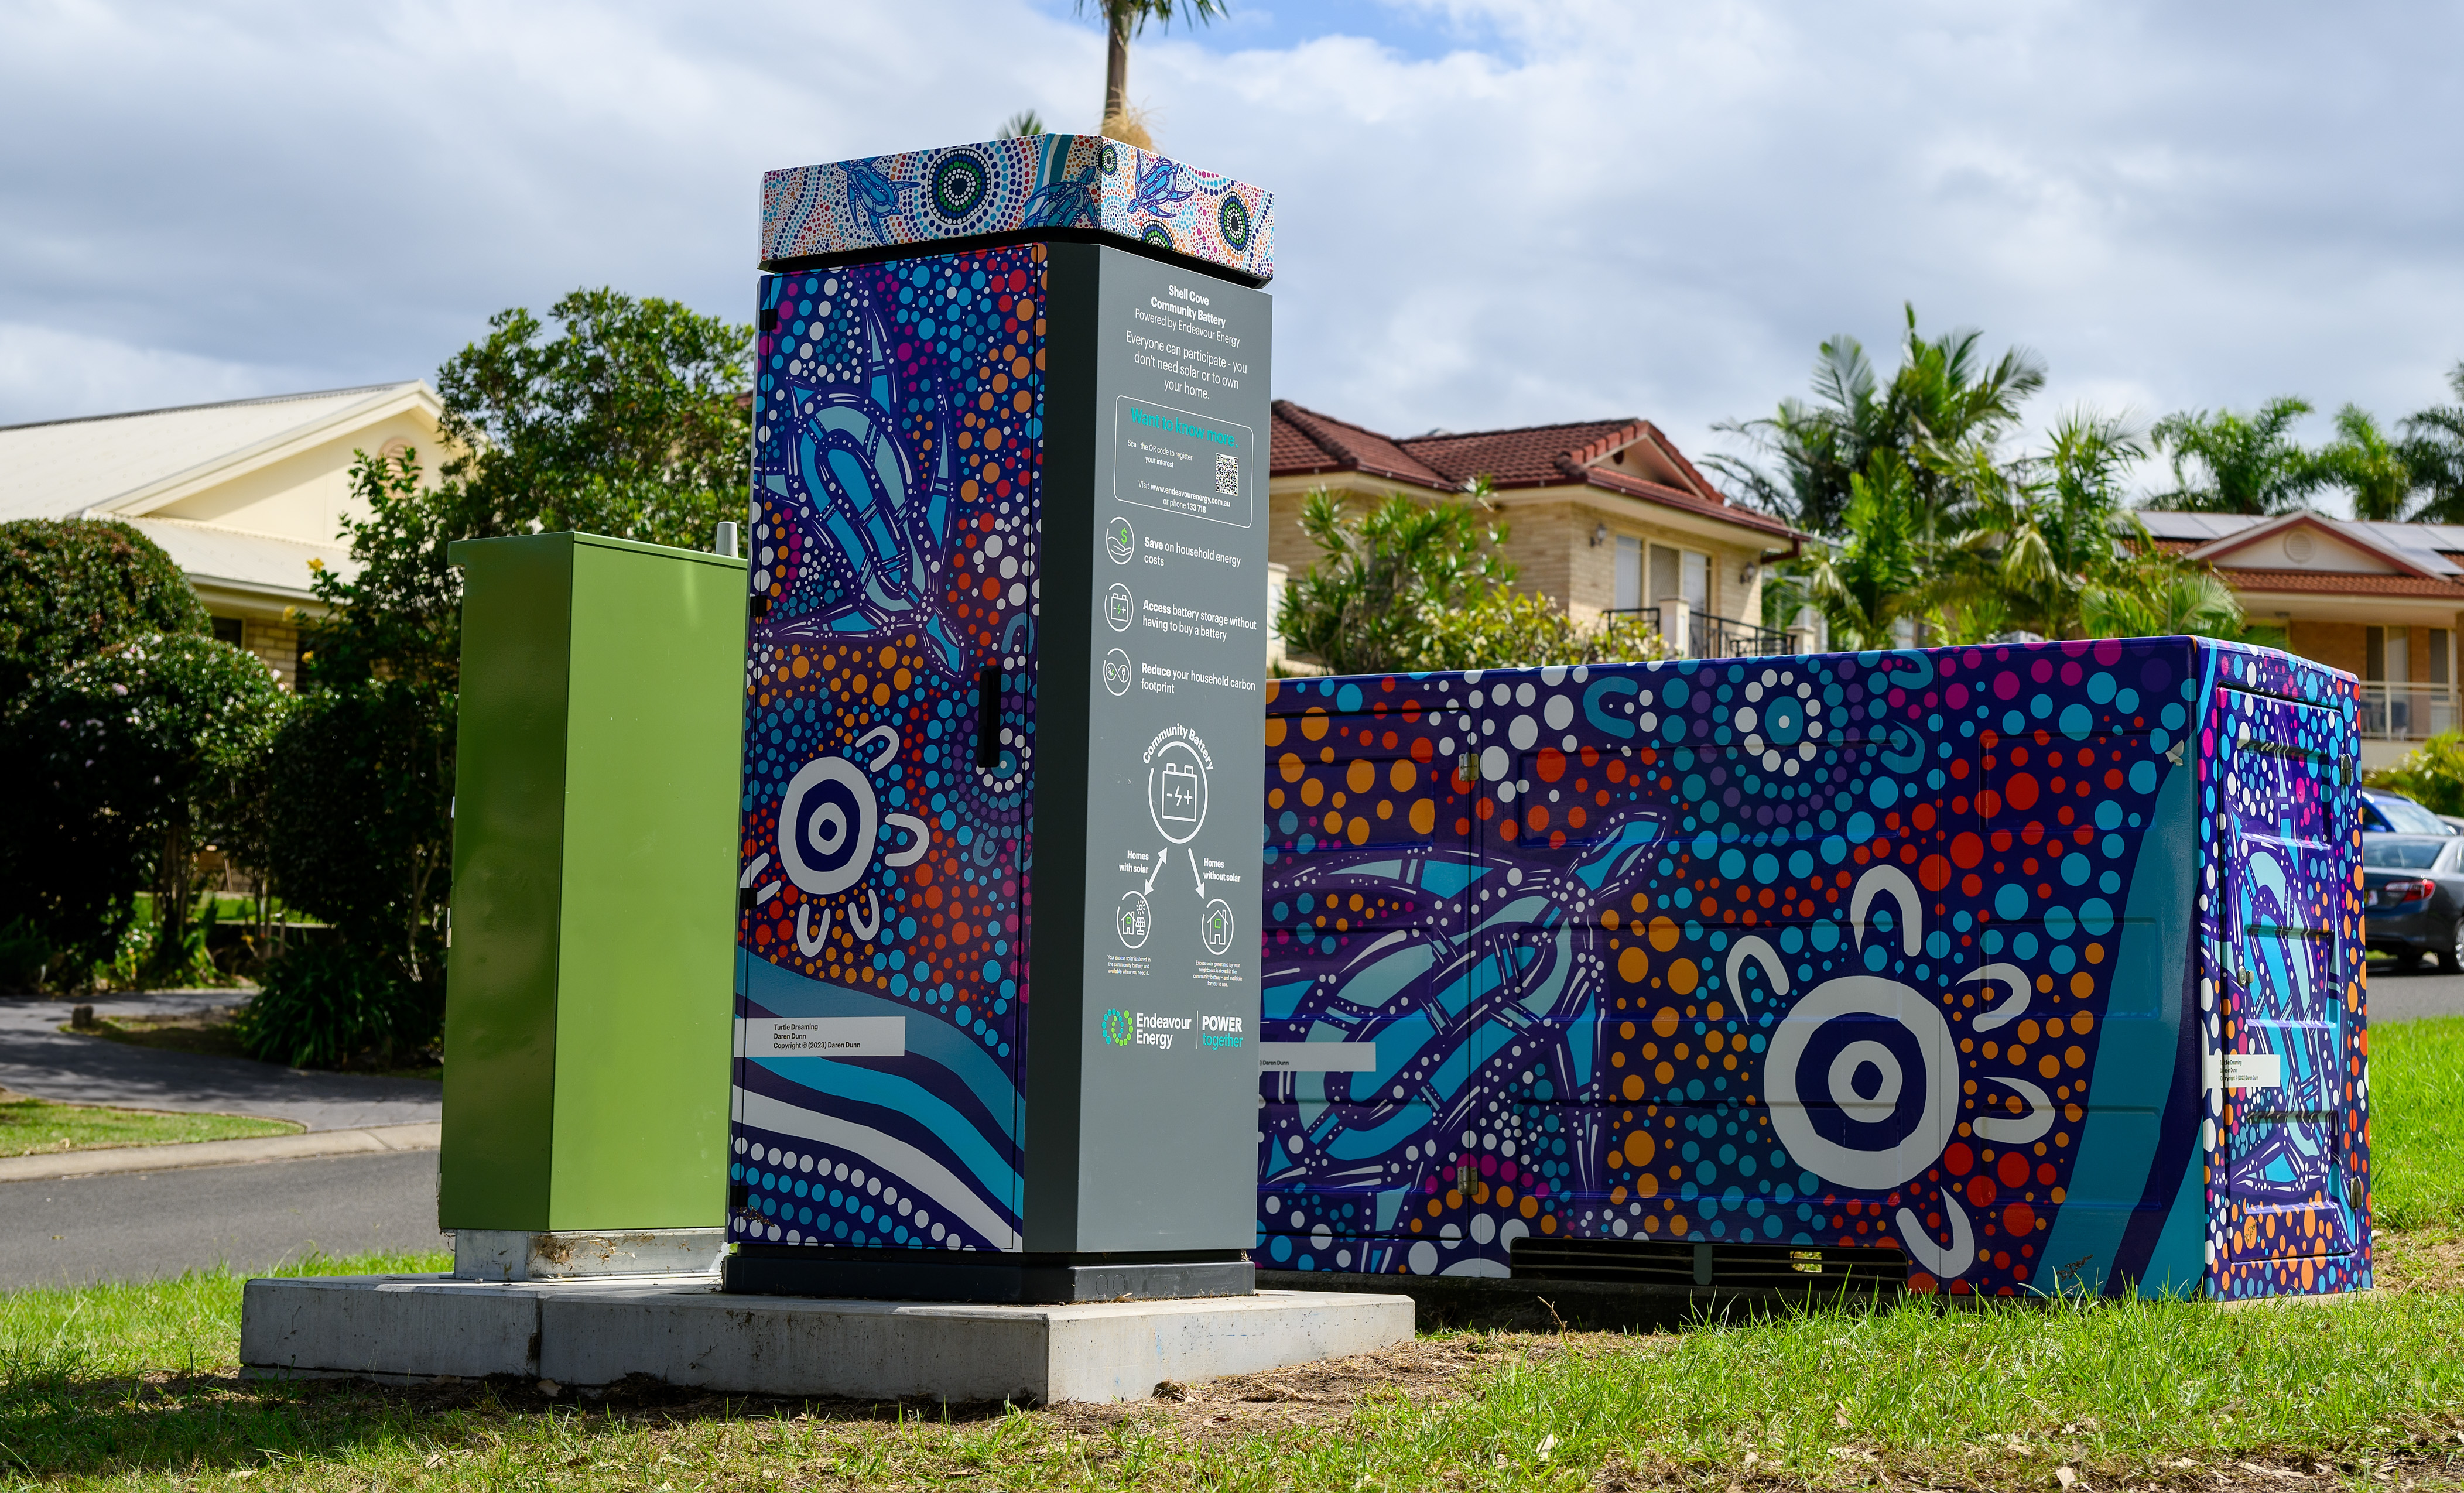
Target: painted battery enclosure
(2041,964)
(1008,585)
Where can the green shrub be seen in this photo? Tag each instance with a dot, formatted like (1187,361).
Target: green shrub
(1516,629)
(129,762)
(71,587)
(357,824)
(25,956)
(2431,772)
(327,1006)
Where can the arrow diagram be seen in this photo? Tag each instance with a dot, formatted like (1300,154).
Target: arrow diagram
(1163,858)
(1194,874)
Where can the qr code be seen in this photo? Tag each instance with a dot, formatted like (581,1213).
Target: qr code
(1228,475)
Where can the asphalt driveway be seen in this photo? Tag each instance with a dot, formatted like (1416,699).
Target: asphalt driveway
(38,1058)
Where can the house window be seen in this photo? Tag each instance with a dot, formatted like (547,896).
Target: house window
(2387,654)
(228,629)
(1629,574)
(1676,572)
(2440,646)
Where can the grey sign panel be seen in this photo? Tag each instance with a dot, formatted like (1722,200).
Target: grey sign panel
(1167,1145)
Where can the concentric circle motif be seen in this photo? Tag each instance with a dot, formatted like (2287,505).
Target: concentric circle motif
(1111,160)
(1233,217)
(1157,234)
(958,186)
(1118,1029)
(827,822)
(1884,1164)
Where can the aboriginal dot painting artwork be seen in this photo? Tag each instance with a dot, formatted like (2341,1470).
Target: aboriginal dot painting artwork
(1931,951)
(1011,186)
(2285,1125)
(888,729)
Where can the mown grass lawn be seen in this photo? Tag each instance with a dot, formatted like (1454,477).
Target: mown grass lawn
(32,1126)
(133,1387)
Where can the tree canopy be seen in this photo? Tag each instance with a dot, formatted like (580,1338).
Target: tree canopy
(1945,406)
(2230,463)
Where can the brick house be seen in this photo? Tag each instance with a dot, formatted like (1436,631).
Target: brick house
(1603,516)
(2382,601)
(245,495)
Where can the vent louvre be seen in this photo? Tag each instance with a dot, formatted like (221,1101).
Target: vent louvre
(1713,1265)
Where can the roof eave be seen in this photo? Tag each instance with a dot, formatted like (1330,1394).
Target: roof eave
(163,491)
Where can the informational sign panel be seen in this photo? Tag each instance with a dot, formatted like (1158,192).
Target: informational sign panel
(1173,770)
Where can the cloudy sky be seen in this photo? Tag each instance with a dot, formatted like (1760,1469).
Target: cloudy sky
(1489,211)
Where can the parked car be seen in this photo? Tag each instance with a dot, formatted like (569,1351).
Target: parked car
(2394,814)
(2413,897)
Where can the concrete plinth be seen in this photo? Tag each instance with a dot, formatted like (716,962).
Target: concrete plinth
(686,1331)
(520,1255)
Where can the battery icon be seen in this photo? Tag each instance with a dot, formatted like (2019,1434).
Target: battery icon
(1180,793)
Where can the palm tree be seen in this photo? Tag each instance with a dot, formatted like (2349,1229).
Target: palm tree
(2169,599)
(1944,405)
(1365,607)
(2040,540)
(1122,20)
(1877,575)
(2366,464)
(2434,448)
(2250,464)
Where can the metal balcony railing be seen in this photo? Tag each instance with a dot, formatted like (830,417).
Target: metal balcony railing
(2393,712)
(1708,636)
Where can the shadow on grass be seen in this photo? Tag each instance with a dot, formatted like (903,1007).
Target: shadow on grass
(54,1421)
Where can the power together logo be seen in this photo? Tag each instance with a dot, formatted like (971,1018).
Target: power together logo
(1118,1029)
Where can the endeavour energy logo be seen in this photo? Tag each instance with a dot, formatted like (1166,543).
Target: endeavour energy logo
(1148,1029)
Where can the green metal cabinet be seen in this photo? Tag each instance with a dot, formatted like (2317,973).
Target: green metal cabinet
(587,1021)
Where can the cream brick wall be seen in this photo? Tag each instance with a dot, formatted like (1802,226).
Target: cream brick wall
(278,643)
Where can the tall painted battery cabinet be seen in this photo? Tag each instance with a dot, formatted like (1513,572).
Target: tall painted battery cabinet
(1992,970)
(997,940)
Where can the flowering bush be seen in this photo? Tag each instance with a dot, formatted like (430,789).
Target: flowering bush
(132,759)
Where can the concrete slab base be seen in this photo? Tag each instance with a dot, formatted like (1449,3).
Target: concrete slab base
(686,1331)
(520,1254)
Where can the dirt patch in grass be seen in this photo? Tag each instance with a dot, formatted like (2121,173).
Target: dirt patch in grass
(208,1032)
(2421,1259)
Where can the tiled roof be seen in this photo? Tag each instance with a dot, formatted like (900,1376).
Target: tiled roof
(1531,457)
(1307,443)
(2338,583)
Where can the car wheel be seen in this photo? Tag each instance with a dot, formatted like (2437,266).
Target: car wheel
(2451,960)
(2407,962)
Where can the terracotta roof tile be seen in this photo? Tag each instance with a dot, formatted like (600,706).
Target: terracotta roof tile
(1340,446)
(1529,456)
(2333,582)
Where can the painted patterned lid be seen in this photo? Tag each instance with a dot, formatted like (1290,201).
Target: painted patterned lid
(1005,186)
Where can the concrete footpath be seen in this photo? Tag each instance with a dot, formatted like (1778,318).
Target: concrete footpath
(2410,998)
(52,1165)
(38,1058)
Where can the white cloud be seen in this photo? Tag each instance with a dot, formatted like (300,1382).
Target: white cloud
(46,372)
(1584,209)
